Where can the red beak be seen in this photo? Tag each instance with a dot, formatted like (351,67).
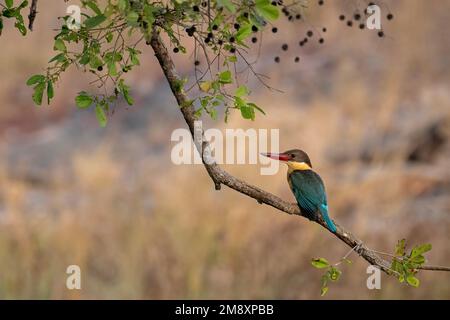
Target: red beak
(277,156)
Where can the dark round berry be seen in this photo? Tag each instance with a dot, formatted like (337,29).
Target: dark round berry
(254,28)
(277,59)
(357,16)
(291,18)
(381,34)
(324,29)
(350,23)
(274,3)
(99,68)
(215,27)
(321,40)
(237,26)
(197,62)
(196,8)
(309,33)
(204,4)
(342,17)
(246,14)
(232,39)
(274,29)
(297,59)
(284,47)
(321,2)
(220,42)
(362,26)
(298,17)
(232,50)
(390,16)
(207,40)
(176,50)
(254,39)
(301,43)
(210,35)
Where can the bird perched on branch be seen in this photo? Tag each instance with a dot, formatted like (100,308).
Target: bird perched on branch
(307,186)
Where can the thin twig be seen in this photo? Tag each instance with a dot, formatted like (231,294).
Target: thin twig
(32,14)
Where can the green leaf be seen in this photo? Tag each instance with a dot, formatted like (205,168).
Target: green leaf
(129,99)
(205,86)
(23,4)
(413,281)
(50,91)
(9,3)
(247,112)
(267,10)
(38,93)
(83,100)
(227,4)
(101,116)
(225,77)
(61,57)
(19,24)
(132,18)
(93,7)
(241,91)
(109,37)
(134,56)
(397,266)
(400,249)
(323,291)
(84,58)
(149,16)
(232,59)
(112,69)
(421,249)
(37,78)
(320,263)
(418,260)
(126,92)
(256,107)
(335,274)
(95,61)
(244,32)
(59,45)
(94,21)
(122,5)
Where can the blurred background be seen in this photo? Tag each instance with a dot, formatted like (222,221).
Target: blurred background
(373,114)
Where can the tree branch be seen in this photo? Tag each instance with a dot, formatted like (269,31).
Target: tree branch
(220,176)
(32,14)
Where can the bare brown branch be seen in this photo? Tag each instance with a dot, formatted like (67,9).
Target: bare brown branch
(32,14)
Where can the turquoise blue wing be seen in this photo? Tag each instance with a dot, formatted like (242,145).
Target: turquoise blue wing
(309,190)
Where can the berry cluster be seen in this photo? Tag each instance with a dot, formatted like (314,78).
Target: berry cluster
(292,15)
(358,19)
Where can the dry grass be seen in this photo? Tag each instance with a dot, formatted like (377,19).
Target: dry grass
(140,227)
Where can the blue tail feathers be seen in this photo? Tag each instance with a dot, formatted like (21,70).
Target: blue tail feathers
(326,217)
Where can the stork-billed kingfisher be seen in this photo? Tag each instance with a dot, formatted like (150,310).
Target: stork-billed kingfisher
(307,186)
